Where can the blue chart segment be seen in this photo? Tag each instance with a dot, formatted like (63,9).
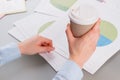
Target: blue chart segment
(108,33)
(103,41)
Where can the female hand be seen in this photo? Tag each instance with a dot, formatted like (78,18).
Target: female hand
(82,48)
(36,44)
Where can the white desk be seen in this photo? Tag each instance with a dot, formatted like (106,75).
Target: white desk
(35,67)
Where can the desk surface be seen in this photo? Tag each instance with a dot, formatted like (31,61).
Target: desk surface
(35,67)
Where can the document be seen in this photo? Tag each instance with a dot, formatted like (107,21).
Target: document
(55,60)
(55,7)
(42,24)
(12,6)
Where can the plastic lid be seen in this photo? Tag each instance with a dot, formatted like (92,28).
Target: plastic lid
(83,14)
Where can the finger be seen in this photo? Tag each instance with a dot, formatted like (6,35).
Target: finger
(69,33)
(47,44)
(45,41)
(46,49)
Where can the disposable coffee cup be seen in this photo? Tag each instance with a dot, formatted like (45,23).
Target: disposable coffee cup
(82,19)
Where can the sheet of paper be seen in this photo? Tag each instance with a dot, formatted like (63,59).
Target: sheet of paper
(55,7)
(53,58)
(14,32)
(36,20)
(62,7)
(113,4)
(116,4)
(12,6)
(39,23)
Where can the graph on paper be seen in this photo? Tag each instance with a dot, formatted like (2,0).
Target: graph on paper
(45,26)
(108,33)
(62,4)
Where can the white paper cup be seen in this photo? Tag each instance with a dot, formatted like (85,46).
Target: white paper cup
(82,18)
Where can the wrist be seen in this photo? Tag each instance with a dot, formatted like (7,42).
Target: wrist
(78,61)
(21,48)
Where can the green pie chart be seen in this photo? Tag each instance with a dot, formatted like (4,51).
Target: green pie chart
(63,5)
(45,26)
(108,33)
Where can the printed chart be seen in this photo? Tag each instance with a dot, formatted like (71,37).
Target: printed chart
(108,33)
(45,26)
(62,4)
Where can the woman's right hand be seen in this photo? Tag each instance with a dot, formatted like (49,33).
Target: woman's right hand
(82,48)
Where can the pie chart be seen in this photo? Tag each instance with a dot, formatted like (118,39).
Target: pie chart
(45,26)
(108,33)
(63,5)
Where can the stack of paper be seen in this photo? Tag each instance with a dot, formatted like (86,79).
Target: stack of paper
(53,27)
(12,6)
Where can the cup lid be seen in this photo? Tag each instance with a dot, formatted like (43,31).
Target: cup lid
(83,14)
